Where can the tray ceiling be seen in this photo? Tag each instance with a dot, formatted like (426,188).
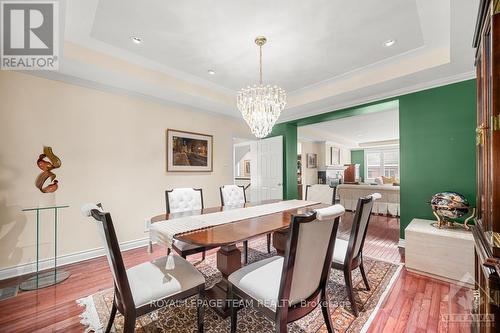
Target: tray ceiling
(327,54)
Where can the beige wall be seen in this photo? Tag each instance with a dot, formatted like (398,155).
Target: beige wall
(324,157)
(310,175)
(112,149)
(322,149)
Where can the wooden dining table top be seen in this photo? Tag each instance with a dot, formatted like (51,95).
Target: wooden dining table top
(238,231)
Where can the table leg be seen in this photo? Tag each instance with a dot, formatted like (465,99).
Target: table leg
(279,241)
(228,261)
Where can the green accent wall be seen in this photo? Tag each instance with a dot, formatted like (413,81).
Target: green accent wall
(289,133)
(437,145)
(358,157)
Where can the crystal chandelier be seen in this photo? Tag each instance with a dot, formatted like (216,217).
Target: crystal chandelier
(260,104)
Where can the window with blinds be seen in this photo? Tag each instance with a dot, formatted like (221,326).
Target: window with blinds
(381,162)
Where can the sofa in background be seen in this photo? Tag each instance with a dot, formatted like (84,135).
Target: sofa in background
(387,205)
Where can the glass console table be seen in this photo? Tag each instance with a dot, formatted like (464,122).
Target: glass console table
(51,277)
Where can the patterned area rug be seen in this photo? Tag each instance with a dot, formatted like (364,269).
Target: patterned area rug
(182,318)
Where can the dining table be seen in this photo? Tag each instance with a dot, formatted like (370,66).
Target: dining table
(226,236)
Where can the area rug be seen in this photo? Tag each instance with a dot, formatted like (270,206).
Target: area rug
(182,317)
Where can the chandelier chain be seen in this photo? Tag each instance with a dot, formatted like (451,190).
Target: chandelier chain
(260,64)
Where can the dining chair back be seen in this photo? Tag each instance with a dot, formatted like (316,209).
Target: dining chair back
(145,287)
(321,193)
(123,293)
(183,199)
(348,254)
(308,258)
(360,226)
(232,195)
(291,287)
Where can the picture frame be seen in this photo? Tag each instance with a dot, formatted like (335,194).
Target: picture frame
(334,156)
(188,151)
(312,161)
(246,168)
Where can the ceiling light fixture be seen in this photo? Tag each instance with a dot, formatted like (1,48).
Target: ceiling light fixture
(136,40)
(211,72)
(261,105)
(389,43)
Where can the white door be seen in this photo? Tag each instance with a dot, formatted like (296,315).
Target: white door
(267,169)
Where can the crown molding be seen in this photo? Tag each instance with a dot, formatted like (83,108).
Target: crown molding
(88,84)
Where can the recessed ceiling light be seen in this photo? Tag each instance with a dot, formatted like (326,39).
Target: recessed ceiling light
(136,40)
(389,43)
(211,72)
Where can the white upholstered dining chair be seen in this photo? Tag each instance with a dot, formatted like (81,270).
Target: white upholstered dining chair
(234,195)
(145,287)
(287,288)
(321,193)
(348,254)
(181,200)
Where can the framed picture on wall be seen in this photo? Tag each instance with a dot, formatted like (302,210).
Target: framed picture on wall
(334,156)
(189,152)
(246,168)
(312,160)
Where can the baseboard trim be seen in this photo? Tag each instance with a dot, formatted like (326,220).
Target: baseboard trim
(27,268)
(402,243)
(463,283)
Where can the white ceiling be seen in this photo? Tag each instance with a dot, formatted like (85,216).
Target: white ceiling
(355,131)
(327,54)
(308,41)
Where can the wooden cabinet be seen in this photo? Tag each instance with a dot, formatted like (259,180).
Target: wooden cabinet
(351,174)
(486,307)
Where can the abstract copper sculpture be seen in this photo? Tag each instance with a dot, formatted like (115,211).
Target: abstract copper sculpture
(47,166)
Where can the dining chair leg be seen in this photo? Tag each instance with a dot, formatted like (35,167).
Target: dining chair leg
(350,293)
(111,317)
(281,324)
(245,251)
(129,324)
(268,243)
(325,308)
(200,309)
(203,255)
(363,274)
(234,309)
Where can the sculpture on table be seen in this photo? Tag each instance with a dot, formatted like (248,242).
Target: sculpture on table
(47,162)
(447,206)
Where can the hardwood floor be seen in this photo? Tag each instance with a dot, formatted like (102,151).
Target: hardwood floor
(414,304)
(421,304)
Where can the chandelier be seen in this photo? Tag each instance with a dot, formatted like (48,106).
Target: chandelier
(260,104)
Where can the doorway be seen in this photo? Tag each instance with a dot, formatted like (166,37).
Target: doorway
(258,166)
(359,154)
